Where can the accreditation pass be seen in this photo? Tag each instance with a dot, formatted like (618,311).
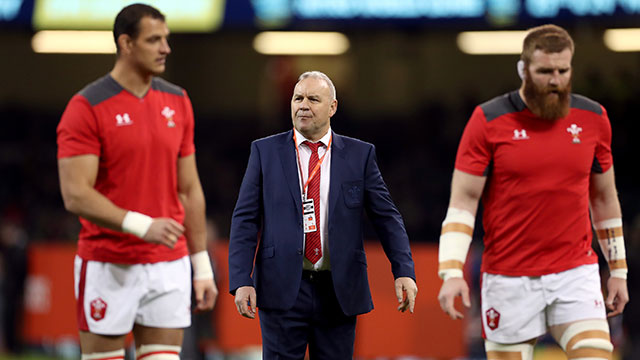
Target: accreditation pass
(309,216)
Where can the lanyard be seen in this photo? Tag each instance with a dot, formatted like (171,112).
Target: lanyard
(315,169)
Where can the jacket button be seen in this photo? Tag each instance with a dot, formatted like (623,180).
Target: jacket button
(299,251)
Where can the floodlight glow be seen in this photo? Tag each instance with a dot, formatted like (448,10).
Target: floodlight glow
(73,42)
(491,42)
(182,16)
(622,39)
(300,43)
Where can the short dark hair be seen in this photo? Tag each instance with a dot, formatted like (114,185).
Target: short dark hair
(548,38)
(128,20)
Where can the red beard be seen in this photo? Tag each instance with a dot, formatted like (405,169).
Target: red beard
(542,102)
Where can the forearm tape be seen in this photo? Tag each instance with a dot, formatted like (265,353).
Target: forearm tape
(611,242)
(201,266)
(136,223)
(455,238)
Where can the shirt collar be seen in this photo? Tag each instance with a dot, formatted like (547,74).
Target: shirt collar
(324,140)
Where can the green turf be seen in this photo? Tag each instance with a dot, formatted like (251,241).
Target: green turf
(26,357)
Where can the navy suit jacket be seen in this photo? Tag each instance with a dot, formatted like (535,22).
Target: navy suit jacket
(269,206)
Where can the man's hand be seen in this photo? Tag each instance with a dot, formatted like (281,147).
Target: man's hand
(450,289)
(164,231)
(246,301)
(206,293)
(618,296)
(406,285)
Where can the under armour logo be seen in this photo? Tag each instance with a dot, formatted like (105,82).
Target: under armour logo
(520,134)
(575,130)
(122,120)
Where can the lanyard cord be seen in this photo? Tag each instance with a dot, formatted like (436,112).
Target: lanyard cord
(315,169)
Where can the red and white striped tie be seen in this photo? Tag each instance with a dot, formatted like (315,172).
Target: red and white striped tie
(313,246)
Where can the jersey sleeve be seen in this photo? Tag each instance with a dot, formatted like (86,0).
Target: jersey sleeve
(603,160)
(474,153)
(187,146)
(78,130)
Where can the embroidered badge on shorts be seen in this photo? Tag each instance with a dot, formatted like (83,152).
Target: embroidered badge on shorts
(493,318)
(98,309)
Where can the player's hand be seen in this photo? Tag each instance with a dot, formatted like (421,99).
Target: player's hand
(406,285)
(246,301)
(618,296)
(450,289)
(164,231)
(206,293)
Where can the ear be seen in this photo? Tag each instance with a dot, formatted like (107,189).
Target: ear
(124,43)
(333,108)
(520,68)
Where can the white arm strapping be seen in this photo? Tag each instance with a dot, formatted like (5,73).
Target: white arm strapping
(136,223)
(611,242)
(457,231)
(201,266)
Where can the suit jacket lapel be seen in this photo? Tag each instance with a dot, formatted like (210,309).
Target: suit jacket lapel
(338,163)
(289,163)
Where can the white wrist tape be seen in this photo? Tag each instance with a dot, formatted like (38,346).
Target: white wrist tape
(201,266)
(455,238)
(136,223)
(611,242)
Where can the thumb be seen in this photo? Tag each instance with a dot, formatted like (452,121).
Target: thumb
(610,298)
(465,298)
(399,293)
(199,293)
(252,302)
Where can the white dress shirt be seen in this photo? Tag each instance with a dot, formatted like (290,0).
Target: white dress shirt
(325,173)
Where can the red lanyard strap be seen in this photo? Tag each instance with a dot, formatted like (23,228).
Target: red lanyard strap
(315,169)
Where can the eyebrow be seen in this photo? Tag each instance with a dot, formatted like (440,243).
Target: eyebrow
(551,68)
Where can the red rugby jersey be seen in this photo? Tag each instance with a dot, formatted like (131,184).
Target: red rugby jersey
(536,200)
(138,141)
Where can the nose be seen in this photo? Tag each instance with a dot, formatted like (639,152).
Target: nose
(165,49)
(555,78)
(304,104)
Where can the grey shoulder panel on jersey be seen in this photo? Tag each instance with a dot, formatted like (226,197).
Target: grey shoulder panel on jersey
(101,90)
(501,105)
(584,103)
(165,86)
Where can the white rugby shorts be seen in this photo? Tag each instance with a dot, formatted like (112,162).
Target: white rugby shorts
(112,297)
(520,308)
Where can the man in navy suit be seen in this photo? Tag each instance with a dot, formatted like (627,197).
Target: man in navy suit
(303,194)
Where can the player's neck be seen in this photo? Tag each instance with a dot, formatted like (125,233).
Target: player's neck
(131,79)
(521,93)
